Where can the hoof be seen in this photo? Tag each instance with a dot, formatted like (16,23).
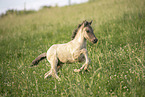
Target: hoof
(87,70)
(77,70)
(47,76)
(58,79)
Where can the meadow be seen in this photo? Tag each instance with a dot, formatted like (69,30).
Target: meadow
(117,61)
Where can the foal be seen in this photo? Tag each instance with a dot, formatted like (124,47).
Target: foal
(70,52)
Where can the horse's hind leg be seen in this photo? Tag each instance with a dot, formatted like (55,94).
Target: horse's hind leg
(59,66)
(53,72)
(48,74)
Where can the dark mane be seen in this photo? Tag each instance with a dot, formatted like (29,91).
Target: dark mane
(86,23)
(75,31)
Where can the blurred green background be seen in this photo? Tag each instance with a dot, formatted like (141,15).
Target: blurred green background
(117,62)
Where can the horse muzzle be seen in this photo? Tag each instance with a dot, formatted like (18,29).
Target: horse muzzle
(94,40)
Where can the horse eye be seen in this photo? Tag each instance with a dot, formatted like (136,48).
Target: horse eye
(87,31)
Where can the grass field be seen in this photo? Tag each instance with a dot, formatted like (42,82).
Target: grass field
(118,65)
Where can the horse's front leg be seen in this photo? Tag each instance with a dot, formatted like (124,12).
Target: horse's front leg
(85,65)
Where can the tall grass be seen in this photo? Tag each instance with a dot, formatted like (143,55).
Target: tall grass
(117,67)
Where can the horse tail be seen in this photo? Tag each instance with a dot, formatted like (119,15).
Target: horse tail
(38,59)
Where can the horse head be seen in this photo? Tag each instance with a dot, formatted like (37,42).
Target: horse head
(88,32)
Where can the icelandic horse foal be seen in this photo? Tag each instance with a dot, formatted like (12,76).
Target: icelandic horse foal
(70,52)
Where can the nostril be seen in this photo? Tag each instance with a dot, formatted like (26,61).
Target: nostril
(95,40)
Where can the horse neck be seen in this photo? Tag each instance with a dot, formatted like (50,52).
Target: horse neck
(79,38)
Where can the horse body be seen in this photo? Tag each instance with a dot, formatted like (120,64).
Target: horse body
(62,52)
(70,52)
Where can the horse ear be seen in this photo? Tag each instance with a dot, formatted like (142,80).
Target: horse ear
(85,23)
(90,22)
(79,25)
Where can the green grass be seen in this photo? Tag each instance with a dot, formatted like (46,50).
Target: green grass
(118,65)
